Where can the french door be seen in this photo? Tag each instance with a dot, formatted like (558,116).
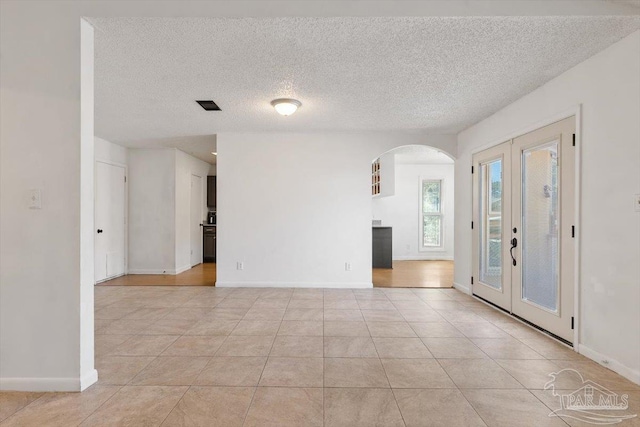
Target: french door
(523,204)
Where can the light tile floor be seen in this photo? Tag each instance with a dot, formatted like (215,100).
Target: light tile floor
(196,356)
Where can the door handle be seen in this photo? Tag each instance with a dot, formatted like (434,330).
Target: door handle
(514,244)
(99,230)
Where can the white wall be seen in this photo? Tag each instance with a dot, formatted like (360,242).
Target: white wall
(607,86)
(152,211)
(109,152)
(294,208)
(402,211)
(186,166)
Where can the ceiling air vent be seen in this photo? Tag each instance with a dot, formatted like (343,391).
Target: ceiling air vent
(209,105)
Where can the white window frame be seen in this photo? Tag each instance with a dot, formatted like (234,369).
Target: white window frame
(440,214)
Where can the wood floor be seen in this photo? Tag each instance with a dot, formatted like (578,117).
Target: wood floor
(200,275)
(405,274)
(415,274)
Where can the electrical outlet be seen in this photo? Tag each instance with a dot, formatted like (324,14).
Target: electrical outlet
(347,266)
(240,265)
(35,199)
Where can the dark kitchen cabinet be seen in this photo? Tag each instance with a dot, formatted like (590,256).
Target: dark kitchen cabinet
(382,247)
(211,191)
(209,244)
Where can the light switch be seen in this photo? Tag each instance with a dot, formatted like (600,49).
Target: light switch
(35,198)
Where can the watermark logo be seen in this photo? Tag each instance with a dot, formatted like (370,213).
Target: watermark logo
(590,403)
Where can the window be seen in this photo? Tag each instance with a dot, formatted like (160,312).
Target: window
(431,213)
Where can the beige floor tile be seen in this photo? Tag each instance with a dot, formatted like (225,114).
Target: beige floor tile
(296,346)
(412,305)
(106,344)
(194,345)
(306,303)
(264,314)
(194,313)
(416,373)
(435,330)
(460,316)
(114,312)
(246,346)
(256,327)
(534,374)
(592,371)
(481,329)
(307,294)
(360,407)
(293,372)
(551,349)
(436,408)
(120,369)
(232,371)
(512,408)
(301,328)
(303,314)
(126,327)
(144,345)
(12,401)
(354,372)
(401,348)
(236,303)
(343,315)
(172,370)
(375,304)
(211,407)
(382,316)
(227,313)
(478,373)
(61,409)
(283,407)
(271,303)
(349,347)
(446,305)
(213,327)
(390,329)
(506,348)
(446,348)
(518,330)
(169,327)
(421,316)
(350,304)
(208,301)
(137,406)
(148,313)
(339,328)
(551,398)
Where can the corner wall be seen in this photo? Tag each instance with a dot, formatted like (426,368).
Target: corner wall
(607,87)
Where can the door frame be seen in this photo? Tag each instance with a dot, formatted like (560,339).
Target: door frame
(126,212)
(576,111)
(202,202)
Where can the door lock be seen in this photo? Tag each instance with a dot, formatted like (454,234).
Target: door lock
(514,244)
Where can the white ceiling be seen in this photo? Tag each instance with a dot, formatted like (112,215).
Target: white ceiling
(428,74)
(419,154)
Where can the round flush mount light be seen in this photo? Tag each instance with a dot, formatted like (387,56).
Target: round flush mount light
(286,106)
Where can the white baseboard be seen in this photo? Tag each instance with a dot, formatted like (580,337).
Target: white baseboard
(350,285)
(88,379)
(423,257)
(183,269)
(617,367)
(152,271)
(462,288)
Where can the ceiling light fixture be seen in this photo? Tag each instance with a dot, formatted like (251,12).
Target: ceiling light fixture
(286,106)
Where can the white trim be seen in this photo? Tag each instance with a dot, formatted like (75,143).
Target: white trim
(425,256)
(462,288)
(158,271)
(617,367)
(334,285)
(49,384)
(184,268)
(88,379)
(110,278)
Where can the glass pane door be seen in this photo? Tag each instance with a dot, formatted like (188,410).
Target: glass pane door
(491,223)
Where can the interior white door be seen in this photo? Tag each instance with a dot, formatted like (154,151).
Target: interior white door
(109,221)
(543,215)
(491,222)
(523,213)
(197,211)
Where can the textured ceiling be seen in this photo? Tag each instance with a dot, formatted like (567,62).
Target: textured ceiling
(419,154)
(432,74)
